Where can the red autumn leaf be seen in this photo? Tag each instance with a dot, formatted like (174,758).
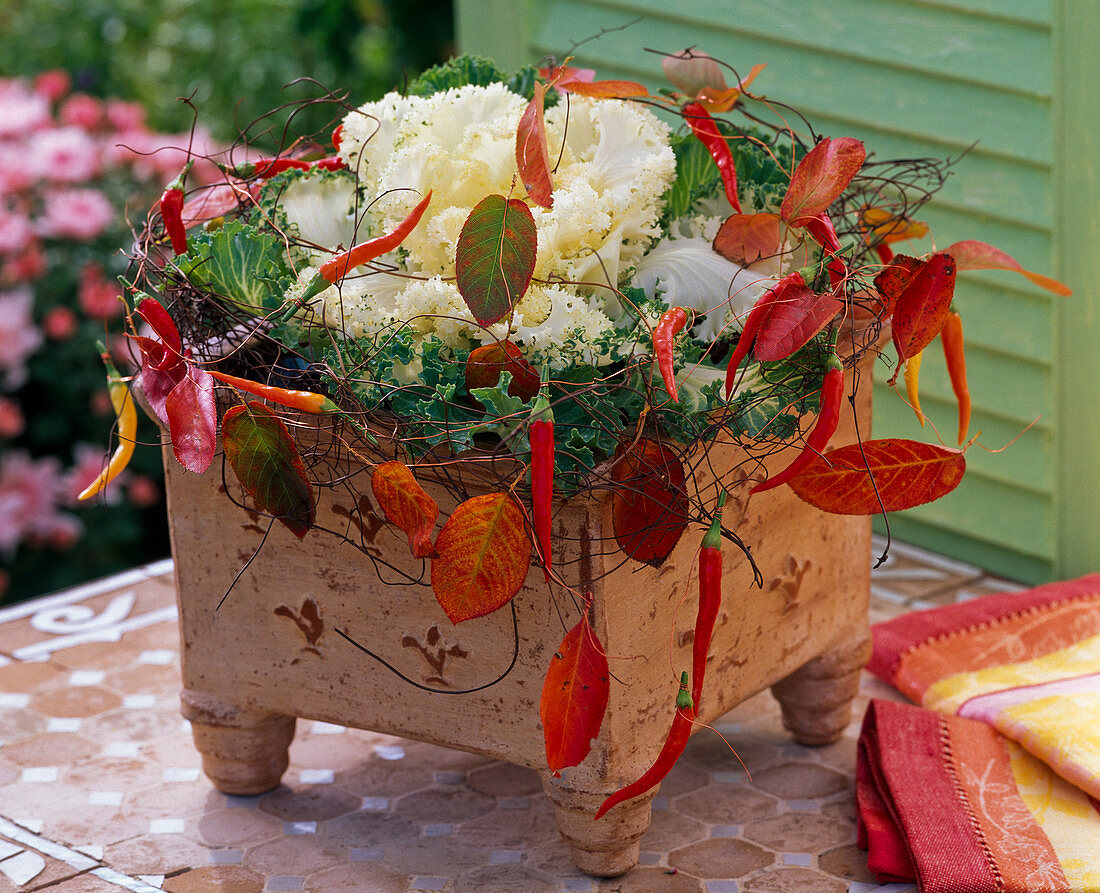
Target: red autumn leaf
(796,315)
(973,255)
(159,374)
(922,307)
(407,505)
(193,419)
(745,238)
(574,697)
(649,504)
(495,257)
(602,89)
(485,363)
(820,178)
(483,553)
(532,156)
(265,460)
(902,473)
(894,278)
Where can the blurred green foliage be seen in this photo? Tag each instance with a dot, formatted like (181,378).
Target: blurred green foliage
(234,59)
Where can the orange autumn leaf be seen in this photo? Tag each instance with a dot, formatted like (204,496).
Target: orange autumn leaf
(406,504)
(602,89)
(746,238)
(487,362)
(724,100)
(974,255)
(483,553)
(880,475)
(887,228)
(922,307)
(649,504)
(532,156)
(574,697)
(821,176)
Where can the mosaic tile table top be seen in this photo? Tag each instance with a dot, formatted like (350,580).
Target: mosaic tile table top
(101,790)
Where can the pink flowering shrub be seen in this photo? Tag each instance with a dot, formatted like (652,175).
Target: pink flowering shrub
(77,175)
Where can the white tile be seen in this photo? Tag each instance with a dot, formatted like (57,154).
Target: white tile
(86,677)
(166,826)
(14,700)
(318,776)
(156,656)
(139,702)
(390,751)
(105,798)
(122,749)
(93,850)
(299,827)
(803,859)
(182,773)
(64,724)
(326,728)
(375,804)
(153,880)
(35,774)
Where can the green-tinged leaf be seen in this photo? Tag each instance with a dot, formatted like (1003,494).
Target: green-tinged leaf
(495,257)
(879,475)
(265,460)
(697,177)
(484,553)
(239,264)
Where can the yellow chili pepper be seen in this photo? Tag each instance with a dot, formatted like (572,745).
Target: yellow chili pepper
(126,418)
(912,383)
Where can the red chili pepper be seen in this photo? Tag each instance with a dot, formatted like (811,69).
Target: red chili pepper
(752,325)
(334,269)
(328,164)
(710,599)
(952,337)
(828,417)
(171,211)
(266,168)
(541,434)
(704,128)
(822,230)
(337,137)
(666,759)
(307,401)
(670,324)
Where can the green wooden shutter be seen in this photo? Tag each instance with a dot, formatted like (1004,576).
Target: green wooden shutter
(977,80)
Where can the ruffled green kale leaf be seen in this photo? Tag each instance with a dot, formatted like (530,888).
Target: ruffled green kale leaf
(239,264)
(466,69)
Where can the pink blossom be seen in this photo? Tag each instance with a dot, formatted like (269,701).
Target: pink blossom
(12,421)
(15,173)
(59,323)
(30,493)
(80,214)
(25,267)
(21,110)
(53,84)
(99,298)
(125,116)
(161,156)
(88,462)
(215,201)
(81,110)
(18,336)
(63,154)
(143,491)
(15,231)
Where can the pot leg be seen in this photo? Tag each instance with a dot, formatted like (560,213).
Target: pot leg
(244,749)
(609,847)
(817,697)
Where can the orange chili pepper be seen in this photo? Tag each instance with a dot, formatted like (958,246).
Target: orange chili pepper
(912,385)
(126,418)
(307,401)
(952,337)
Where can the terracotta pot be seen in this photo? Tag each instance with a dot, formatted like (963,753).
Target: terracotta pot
(272,652)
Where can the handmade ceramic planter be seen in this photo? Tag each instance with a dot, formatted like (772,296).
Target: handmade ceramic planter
(272,652)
